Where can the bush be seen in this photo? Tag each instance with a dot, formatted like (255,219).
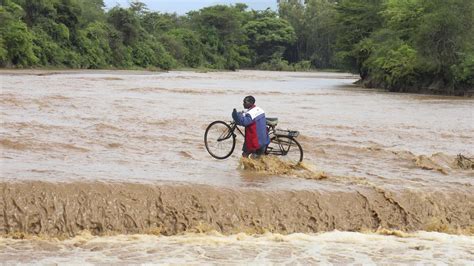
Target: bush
(175,48)
(151,53)
(92,42)
(3,52)
(121,54)
(72,59)
(393,67)
(17,41)
(275,64)
(190,47)
(304,65)
(46,49)
(464,71)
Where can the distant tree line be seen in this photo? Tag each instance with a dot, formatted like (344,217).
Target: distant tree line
(399,45)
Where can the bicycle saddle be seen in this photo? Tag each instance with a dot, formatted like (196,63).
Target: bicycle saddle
(272,121)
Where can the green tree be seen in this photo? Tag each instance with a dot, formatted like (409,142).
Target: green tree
(47,49)
(151,53)
(463,71)
(294,12)
(93,44)
(269,37)
(322,33)
(92,11)
(156,23)
(441,37)
(421,45)
(315,25)
(357,20)
(127,23)
(16,40)
(38,9)
(222,34)
(191,52)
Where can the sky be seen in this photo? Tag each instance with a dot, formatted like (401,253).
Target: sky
(181,7)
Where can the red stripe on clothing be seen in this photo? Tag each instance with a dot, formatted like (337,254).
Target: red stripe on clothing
(251,138)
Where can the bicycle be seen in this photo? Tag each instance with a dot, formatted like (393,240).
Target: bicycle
(220,139)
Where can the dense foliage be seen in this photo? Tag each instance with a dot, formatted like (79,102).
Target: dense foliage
(81,34)
(400,45)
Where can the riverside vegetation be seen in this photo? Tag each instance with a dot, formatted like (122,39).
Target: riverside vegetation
(398,45)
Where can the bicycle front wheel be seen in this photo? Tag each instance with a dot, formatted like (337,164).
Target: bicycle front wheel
(219,139)
(288,148)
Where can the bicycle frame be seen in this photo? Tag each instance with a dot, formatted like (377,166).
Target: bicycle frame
(281,151)
(226,135)
(281,141)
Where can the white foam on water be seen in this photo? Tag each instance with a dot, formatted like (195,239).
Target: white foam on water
(331,247)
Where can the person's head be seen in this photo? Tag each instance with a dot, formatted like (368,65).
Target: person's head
(249,101)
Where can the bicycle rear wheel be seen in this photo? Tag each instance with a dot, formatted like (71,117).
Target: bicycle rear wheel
(288,148)
(219,140)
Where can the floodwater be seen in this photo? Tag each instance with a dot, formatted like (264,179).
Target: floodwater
(148,127)
(325,248)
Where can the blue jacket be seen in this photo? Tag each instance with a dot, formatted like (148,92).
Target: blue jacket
(255,123)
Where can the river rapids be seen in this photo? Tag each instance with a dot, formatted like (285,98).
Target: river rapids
(110,166)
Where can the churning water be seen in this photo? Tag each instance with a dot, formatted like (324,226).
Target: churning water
(121,152)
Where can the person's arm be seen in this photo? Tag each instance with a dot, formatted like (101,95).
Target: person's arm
(235,116)
(241,119)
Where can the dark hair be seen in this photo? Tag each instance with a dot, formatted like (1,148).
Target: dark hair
(249,99)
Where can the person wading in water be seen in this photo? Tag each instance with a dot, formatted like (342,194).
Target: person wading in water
(255,123)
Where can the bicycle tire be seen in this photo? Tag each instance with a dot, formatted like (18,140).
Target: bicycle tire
(279,143)
(210,141)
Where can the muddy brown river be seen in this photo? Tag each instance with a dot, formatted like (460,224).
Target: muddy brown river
(110,166)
